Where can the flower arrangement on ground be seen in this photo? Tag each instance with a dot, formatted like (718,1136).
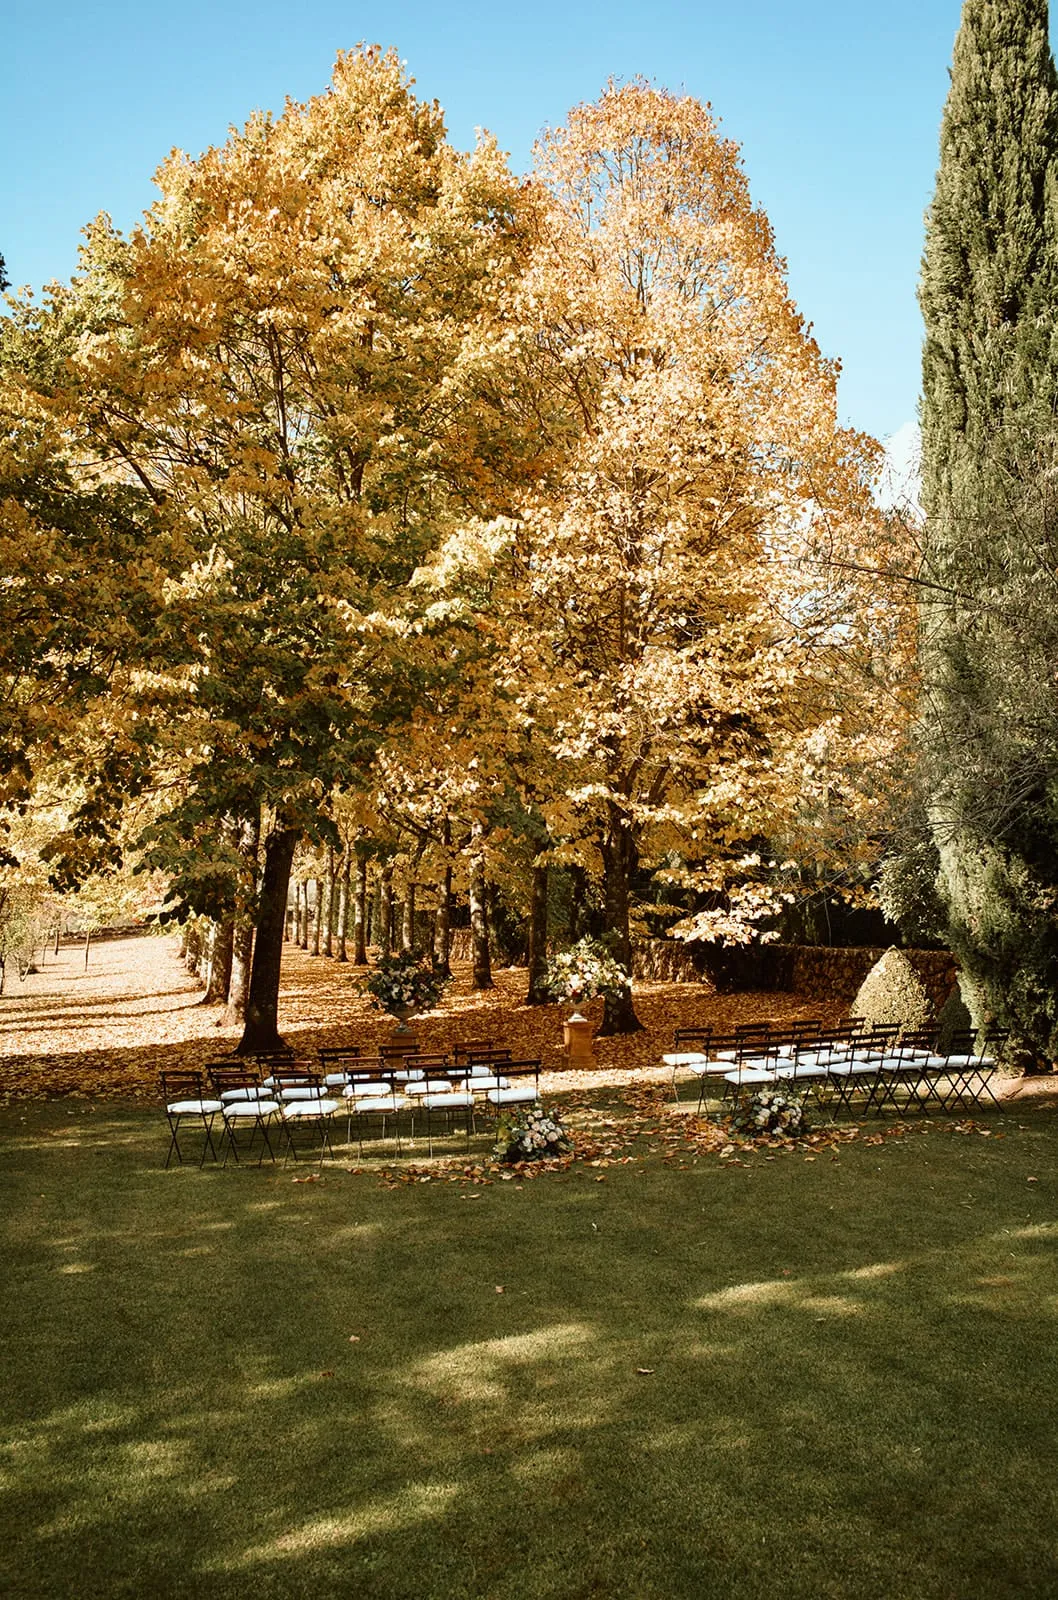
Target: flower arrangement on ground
(406,982)
(585,971)
(771,1111)
(531,1134)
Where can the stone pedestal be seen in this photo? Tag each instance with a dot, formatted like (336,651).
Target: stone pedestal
(577,1036)
(403,1034)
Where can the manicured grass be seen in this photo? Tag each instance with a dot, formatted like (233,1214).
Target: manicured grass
(848,1388)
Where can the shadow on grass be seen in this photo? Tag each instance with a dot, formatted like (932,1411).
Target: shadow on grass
(780,1379)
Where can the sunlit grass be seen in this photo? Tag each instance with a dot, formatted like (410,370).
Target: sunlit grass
(781,1378)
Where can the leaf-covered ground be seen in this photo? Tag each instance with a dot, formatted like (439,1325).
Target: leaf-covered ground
(107,1029)
(104,1030)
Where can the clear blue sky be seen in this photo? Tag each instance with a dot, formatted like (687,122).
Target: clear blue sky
(836,105)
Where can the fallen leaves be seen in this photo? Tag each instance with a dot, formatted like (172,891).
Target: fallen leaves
(106,1032)
(137,1010)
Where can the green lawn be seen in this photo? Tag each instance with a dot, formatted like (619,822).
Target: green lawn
(849,1385)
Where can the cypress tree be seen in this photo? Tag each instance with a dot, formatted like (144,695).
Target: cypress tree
(989,297)
(989,275)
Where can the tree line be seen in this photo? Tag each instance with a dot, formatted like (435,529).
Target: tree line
(371,513)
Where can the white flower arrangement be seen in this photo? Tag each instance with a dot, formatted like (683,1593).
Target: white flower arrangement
(531,1134)
(771,1111)
(405,982)
(584,971)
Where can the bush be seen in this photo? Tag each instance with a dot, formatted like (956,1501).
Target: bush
(954,1017)
(893,992)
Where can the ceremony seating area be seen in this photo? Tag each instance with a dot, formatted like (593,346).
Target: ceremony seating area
(854,1066)
(275,1104)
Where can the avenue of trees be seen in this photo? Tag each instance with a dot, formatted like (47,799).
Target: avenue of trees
(383,533)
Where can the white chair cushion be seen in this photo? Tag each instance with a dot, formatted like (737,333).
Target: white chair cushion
(511,1097)
(194,1108)
(250,1108)
(750,1075)
(310,1108)
(455,1100)
(387,1102)
(684,1058)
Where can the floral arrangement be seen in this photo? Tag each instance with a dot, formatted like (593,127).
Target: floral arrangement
(771,1111)
(531,1134)
(406,982)
(584,971)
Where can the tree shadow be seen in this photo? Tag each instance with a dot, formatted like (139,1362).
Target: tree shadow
(737,1382)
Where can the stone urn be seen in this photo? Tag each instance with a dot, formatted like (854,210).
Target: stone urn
(403,1033)
(577,1037)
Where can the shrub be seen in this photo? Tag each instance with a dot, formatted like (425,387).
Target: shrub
(893,992)
(954,1017)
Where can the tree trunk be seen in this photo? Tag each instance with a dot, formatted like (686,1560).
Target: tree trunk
(220,963)
(618,857)
(317,920)
(442,930)
(243,924)
(385,911)
(479,922)
(360,914)
(239,982)
(328,904)
(407,927)
(578,895)
(343,904)
(537,995)
(261,1031)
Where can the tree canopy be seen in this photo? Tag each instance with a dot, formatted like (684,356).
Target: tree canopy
(488,514)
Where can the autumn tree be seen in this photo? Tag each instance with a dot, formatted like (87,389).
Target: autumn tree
(661,622)
(295,371)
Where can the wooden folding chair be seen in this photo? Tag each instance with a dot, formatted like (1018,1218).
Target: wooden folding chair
(185,1100)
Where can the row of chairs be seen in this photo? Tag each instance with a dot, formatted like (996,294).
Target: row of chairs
(880,1064)
(251,1101)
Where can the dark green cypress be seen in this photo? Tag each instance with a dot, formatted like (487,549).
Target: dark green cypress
(989,297)
(989,277)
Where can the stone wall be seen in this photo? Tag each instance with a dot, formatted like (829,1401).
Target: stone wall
(823,972)
(828,974)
